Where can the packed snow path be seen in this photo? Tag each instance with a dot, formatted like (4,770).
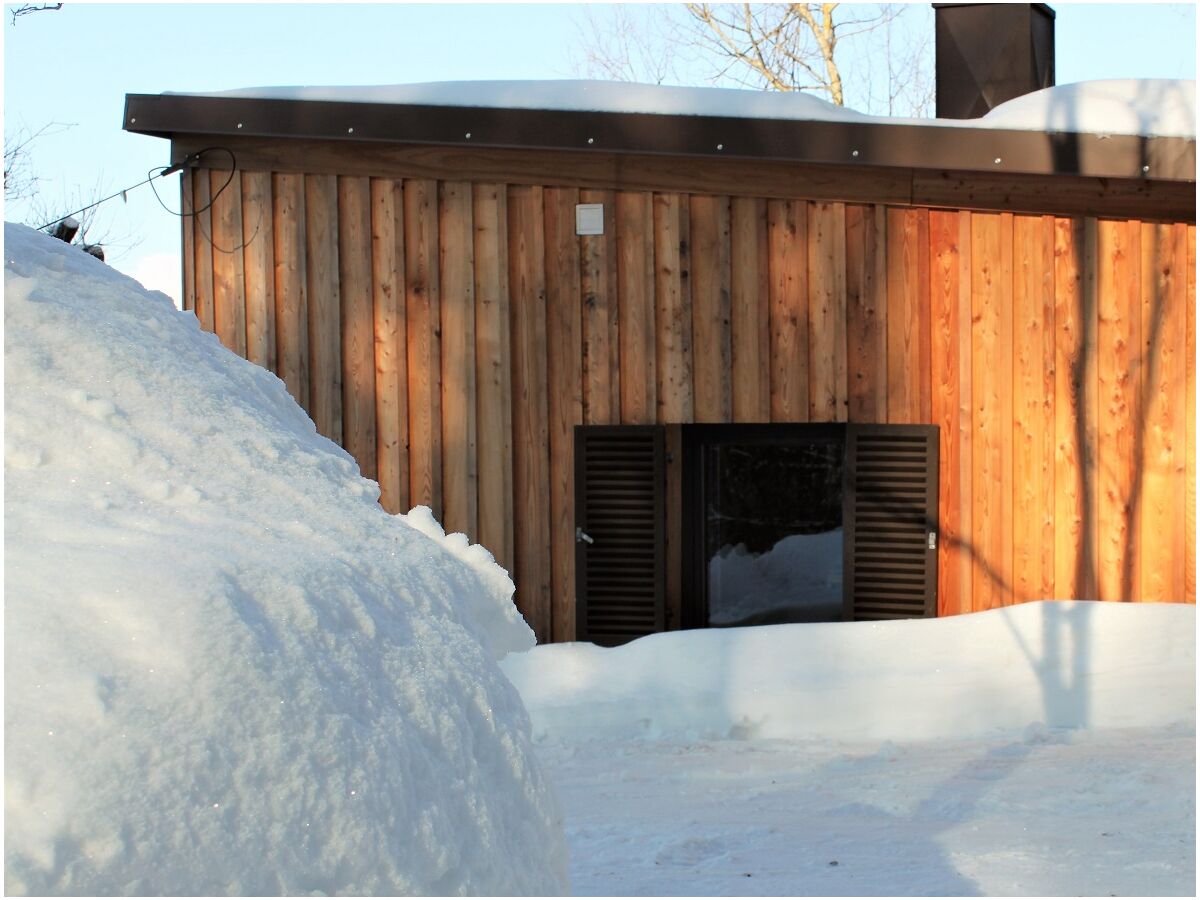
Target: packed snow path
(1040,813)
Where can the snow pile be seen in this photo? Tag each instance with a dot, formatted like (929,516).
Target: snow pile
(1146,107)
(227,670)
(1064,664)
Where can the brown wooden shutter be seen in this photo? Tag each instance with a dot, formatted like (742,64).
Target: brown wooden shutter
(619,504)
(891,535)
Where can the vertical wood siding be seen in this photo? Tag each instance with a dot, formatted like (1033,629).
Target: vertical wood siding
(750,311)
(1074,412)
(907,316)
(711,350)
(493,373)
(530,420)
(228,274)
(291,284)
(828,389)
(787,260)
(635,306)
(1121,364)
(564,406)
(950,356)
(1189,355)
(673,309)
(391,343)
(601,367)
(202,249)
(992,425)
(966,444)
(422,309)
(1164,459)
(451,335)
(1033,407)
(357,322)
(456,247)
(866,313)
(188,206)
(259,269)
(324,304)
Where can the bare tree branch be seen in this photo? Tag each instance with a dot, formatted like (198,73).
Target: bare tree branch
(825,34)
(26,8)
(896,74)
(632,45)
(95,229)
(20,182)
(22,185)
(786,47)
(779,47)
(741,39)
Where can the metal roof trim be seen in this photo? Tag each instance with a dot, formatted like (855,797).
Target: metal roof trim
(902,145)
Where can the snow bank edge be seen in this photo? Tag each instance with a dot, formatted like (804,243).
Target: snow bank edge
(1063,664)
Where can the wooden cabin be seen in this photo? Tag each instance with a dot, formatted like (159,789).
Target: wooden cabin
(631,351)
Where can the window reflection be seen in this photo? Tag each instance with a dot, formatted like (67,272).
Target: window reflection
(773,532)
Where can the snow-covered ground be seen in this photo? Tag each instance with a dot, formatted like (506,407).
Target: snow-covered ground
(1047,748)
(1093,813)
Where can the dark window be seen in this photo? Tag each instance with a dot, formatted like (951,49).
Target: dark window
(772,531)
(778,523)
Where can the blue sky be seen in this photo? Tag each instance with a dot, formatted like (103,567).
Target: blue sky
(76,65)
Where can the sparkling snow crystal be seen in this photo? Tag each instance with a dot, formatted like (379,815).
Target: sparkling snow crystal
(227,670)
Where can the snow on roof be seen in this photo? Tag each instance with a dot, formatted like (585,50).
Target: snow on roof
(575,96)
(1149,108)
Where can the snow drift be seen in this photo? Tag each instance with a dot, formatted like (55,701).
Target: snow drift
(227,670)
(1067,664)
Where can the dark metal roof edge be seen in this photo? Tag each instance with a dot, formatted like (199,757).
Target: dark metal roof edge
(841,143)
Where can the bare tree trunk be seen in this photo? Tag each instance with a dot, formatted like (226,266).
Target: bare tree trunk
(825,34)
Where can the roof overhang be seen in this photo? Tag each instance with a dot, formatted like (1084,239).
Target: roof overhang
(901,144)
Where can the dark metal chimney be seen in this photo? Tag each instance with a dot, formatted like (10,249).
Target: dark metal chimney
(990,52)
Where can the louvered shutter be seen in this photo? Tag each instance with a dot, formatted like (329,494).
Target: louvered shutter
(619,506)
(891,504)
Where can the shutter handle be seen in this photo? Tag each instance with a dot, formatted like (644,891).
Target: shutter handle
(582,536)
(932,540)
